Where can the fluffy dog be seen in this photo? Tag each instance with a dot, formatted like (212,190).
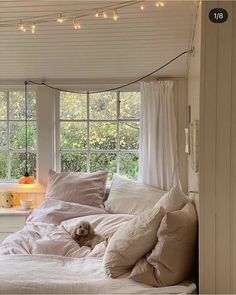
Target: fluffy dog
(84,235)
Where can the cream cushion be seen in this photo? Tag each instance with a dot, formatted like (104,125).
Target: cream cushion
(132,241)
(131,197)
(77,187)
(173,200)
(172,259)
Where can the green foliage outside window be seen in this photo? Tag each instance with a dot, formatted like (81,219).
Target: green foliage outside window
(97,132)
(101,132)
(12,134)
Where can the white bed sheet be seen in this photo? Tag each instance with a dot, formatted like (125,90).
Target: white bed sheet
(49,274)
(42,258)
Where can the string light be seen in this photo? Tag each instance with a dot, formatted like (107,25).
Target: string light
(160,3)
(76,24)
(104,14)
(115,15)
(33,28)
(108,11)
(61,18)
(22,27)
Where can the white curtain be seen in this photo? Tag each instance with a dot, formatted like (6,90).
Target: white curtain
(158,163)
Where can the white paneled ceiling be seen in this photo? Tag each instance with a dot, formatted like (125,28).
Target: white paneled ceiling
(135,45)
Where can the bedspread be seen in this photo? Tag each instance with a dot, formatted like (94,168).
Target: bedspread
(46,233)
(42,258)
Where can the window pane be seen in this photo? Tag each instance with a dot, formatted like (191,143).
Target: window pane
(103,161)
(73,162)
(73,106)
(3,135)
(17,164)
(103,106)
(129,165)
(129,105)
(17,105)
(3,106)
(103,136)
(17,135)
(129,135)
(73,135)
(3,165)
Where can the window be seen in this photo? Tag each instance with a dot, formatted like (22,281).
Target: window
(100,131)
(12,134)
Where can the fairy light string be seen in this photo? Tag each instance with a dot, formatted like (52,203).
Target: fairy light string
(111,11)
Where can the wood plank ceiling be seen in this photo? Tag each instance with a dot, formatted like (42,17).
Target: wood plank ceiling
(136,44)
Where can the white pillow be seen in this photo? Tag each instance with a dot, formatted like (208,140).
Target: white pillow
(131,197)
(173,200)
(132,241)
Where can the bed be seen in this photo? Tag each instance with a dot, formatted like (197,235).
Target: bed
(42,258)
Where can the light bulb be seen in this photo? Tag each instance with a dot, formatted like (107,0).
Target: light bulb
(161,3)
(33,28)
(97,14)
(115,15)
(104,14)
(22,27)
(157,4)
(76,24)
(142,6)
(61,18)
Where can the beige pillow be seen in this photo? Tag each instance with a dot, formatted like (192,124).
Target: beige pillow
(173,200)
(77,187)
(144,272)
(131,197)
(172,259)
(132,241)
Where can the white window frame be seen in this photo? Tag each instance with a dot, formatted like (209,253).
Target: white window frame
(89,151)
(47,121)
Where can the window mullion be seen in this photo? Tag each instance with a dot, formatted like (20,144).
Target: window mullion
(118,134)
(58,132)
(88,133)
(8,138)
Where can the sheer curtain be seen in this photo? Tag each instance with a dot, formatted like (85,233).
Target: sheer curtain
(158,163)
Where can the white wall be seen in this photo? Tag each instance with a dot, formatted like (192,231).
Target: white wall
(181,112)
(194,92)
(218,152)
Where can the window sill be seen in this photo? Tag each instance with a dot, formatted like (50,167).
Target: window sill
(21,188)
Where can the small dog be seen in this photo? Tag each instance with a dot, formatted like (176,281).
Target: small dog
(84,235)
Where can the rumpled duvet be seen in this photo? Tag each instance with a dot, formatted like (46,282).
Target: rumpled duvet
(42,258)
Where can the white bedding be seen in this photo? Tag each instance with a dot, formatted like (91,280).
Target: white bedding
(47,274)
(42,258)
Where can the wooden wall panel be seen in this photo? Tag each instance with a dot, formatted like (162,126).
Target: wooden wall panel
(217,152)
(207,151)
(223,110)
(233,159)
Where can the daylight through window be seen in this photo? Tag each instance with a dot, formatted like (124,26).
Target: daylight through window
(12,134)
(100,131)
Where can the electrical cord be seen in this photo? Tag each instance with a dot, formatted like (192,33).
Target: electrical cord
(115,88)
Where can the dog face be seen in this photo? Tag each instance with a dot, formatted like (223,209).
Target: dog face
(84,229)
